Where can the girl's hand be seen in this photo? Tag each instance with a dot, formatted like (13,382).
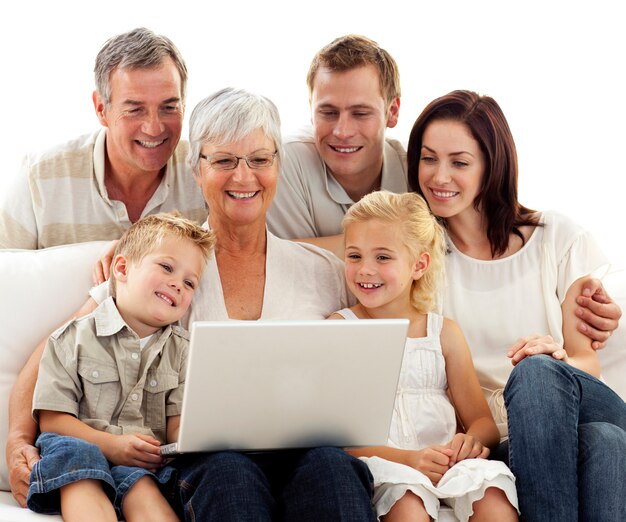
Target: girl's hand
(102,269)
(599,314)
(466,446)
(135,450)
(432,462)
(536,344)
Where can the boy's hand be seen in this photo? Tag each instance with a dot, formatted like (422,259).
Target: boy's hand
(135,450)
(466,446)
(432,462)
(536,344)
(599,313)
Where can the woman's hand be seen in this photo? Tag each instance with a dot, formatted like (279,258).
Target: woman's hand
(536,344)
(432,462)
(465,446)
(102,269)
(599,313)
(134,450)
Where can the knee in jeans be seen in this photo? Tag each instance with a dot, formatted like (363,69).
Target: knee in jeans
(532,370)
(603,438)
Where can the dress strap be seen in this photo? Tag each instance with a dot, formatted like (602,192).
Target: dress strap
(348,314)
(434,324)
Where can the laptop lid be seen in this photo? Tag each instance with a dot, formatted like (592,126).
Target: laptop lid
(266,385)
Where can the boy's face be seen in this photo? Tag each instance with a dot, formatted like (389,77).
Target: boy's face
(157,290)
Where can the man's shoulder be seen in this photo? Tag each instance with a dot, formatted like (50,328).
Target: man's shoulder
(66,149)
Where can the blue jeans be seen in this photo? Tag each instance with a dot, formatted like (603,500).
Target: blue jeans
(302,485)
(65,460)
(567,443)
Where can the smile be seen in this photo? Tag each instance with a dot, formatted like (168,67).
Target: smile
(369,286)
(241,195)
(165,298)
(444,193)
(345,150)
(150,144)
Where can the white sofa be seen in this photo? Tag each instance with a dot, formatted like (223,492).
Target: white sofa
(40,289)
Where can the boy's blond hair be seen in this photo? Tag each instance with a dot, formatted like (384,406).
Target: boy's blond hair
(147,234)
(351,51)
(421,233)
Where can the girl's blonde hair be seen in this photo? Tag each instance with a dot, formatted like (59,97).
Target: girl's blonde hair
(421,233)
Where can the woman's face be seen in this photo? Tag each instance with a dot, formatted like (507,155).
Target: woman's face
(240,196)
(451,168)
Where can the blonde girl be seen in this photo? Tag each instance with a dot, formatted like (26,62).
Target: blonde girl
(394,256)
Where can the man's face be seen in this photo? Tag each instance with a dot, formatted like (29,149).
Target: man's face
(144,118)
(349,116)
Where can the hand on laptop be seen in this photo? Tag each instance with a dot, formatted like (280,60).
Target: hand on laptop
(135,449)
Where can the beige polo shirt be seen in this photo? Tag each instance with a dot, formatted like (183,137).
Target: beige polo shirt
(60,197)
(94,368)
(309,201)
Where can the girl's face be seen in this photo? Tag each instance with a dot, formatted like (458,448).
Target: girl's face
(451,168)
(380,269)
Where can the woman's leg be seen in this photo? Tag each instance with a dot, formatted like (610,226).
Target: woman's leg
(328,484)
(224,486)
(601,472)
(546,401)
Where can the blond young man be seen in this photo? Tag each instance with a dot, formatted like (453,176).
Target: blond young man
(354,93)
(110,384)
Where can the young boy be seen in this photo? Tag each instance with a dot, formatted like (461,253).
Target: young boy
(110,384)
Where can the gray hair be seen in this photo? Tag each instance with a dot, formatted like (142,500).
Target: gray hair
(136,49)
(230,115)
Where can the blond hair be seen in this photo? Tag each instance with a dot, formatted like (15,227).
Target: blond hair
(351,51)
(420,231)
(147,234)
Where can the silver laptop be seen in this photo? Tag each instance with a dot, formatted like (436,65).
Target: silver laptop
(267,385)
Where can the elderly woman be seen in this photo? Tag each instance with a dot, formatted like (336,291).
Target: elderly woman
(235,155)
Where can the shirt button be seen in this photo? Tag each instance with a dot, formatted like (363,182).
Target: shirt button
(95,374)
(153,383)
(120,212)
(135,355)
(134,396)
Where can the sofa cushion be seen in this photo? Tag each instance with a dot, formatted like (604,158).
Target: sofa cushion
(41,289)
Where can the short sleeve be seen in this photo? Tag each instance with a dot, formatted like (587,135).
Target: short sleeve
(18,225)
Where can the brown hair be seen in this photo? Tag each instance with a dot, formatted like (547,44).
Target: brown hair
(497,198)
(352,51)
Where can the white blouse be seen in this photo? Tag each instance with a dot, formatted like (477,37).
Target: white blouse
(498,301)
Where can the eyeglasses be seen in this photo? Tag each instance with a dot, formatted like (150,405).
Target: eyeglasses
(256,160)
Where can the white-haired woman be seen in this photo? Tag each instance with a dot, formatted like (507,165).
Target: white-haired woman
(235,156)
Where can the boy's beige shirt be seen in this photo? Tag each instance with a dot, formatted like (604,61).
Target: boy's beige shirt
(93,368)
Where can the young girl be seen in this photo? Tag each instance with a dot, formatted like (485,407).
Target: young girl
(394,255)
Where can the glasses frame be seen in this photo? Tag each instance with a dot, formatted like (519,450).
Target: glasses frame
(239,158)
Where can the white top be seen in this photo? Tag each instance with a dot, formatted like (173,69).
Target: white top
(422,415)
(309,201)
(60,196)
(497,302)
(302,281)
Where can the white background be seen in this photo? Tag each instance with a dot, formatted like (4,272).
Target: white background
(556,68)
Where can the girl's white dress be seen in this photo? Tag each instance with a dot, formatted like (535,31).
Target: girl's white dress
(423,416)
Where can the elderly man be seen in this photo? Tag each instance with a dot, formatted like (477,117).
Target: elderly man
(96,186)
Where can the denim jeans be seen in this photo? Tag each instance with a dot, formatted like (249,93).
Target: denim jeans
(321,484)
(567,443)
(65,460)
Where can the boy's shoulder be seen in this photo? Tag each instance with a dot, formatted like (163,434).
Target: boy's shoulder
(180,332)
